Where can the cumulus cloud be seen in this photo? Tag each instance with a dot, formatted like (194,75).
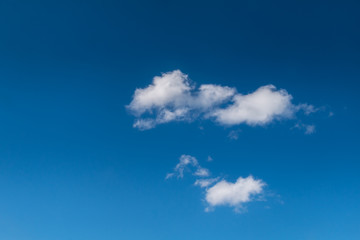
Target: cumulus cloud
(172,97)
(171,89)
(257,108)
(219,192)
(210,95)
(234,194)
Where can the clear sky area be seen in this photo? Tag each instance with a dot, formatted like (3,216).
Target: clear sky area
(172,120)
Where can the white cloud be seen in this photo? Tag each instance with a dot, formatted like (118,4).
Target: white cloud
(169,175)
(257,108)
(218,193)
(307,128)
(203,183)
(171,97)
(234,134)
(234,194)
(184,161)
(188,162)
(171,89)
(307,108)
(168,116)
(202,172)
(210,95)
(144,124)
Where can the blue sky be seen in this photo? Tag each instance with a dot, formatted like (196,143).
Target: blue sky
(73,166)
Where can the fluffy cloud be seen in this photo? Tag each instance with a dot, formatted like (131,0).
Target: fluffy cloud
(257,108)
(172,97)
(219,192)
(210,95)
(171,89)
(234,194)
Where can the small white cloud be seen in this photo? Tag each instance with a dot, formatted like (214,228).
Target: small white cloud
(204,183)
(307,108)
(144,124)
(210,159)
(171,97)
(307,128)
(202,172)
(185,162)
(220,193)
(169,175)
(234,194)
(234,134)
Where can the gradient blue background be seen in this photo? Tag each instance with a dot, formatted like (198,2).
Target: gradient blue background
(72,166)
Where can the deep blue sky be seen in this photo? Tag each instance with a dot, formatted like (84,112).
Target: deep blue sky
(72,166)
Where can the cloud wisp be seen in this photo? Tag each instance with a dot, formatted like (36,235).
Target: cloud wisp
(307,128)
(217,191)
(190,164)
(172,97)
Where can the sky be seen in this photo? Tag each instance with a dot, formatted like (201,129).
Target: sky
(179,120)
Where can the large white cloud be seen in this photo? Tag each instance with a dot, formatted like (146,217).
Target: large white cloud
(172,97)
(234,194)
